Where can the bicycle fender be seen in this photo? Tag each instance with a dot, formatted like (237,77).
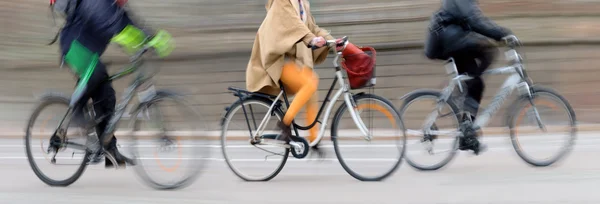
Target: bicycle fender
(52,94)
(417,91)
(241,100)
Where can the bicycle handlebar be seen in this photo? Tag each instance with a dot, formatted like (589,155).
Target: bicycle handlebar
(512,41)
(333,43)
(138,55)
(135,61)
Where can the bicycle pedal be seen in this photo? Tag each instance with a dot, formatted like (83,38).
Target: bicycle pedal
(95,159)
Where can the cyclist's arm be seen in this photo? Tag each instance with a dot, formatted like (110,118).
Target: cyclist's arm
(111,21)
(319,55)
(318,31)
(480,23)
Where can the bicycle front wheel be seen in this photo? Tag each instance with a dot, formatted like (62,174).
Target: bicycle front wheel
(170,142)
(541,125)
(384,149)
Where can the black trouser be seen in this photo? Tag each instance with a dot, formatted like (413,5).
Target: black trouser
(474,60)
(103,97)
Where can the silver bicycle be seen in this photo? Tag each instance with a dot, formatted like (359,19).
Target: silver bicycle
(532,100)
(254,112)
(159,124)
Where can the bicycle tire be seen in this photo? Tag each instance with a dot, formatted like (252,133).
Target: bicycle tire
(196,168)
(334,138)
(415,96)
(43,103)
(518,106)
(225,124)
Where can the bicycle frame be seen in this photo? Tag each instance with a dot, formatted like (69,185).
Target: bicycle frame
(126,98)
(121,107)
(516,80)
(344,89)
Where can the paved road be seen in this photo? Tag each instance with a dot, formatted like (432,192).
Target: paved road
(497,176)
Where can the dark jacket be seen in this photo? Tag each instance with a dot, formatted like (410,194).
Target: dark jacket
(459,24)
(93,23)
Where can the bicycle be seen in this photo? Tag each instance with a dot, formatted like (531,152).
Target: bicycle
(299,146)
(528,94)
(85,139)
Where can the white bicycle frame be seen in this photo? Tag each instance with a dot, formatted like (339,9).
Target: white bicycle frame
(516,80)
(348,100)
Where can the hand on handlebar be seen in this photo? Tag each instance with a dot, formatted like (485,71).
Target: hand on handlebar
(318,42)
(512,41)
(339,44)
(163,43)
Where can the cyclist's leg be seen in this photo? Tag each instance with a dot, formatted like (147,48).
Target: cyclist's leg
(474,60)
(82,62)
(312,108)
(104,103)
(484,54)
(86,65)
(303,83)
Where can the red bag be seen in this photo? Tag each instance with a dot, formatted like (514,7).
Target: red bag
(359,64)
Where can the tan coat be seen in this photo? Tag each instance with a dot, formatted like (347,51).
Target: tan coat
(282,36)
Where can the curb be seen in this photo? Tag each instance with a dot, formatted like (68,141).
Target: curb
(215,135)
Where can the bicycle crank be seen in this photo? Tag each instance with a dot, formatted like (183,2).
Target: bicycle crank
(299,147)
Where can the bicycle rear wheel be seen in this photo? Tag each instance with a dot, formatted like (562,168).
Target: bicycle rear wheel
(252,162)
(51,110)
(385,149)
(431,151)
(523,123)
(170,142)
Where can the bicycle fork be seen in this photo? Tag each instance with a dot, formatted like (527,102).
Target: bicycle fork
(525,89)
(354,112)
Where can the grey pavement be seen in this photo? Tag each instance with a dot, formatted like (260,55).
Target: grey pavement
(497,176)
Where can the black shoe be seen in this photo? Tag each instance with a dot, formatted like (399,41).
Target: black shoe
(286,132)
(121,159)
(470,140)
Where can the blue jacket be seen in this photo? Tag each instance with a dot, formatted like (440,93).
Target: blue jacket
(93,23)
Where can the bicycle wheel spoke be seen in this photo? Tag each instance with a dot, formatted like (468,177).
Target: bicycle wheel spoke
(63,164)
(260,161)
(434,148)
(535,127)
(175,152)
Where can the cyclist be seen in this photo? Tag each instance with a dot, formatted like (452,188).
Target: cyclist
(89,28)
(282,53)
(460,30)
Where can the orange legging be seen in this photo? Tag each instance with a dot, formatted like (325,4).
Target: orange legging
(303,84)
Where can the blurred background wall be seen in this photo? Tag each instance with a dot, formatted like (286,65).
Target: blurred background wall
(214,39)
